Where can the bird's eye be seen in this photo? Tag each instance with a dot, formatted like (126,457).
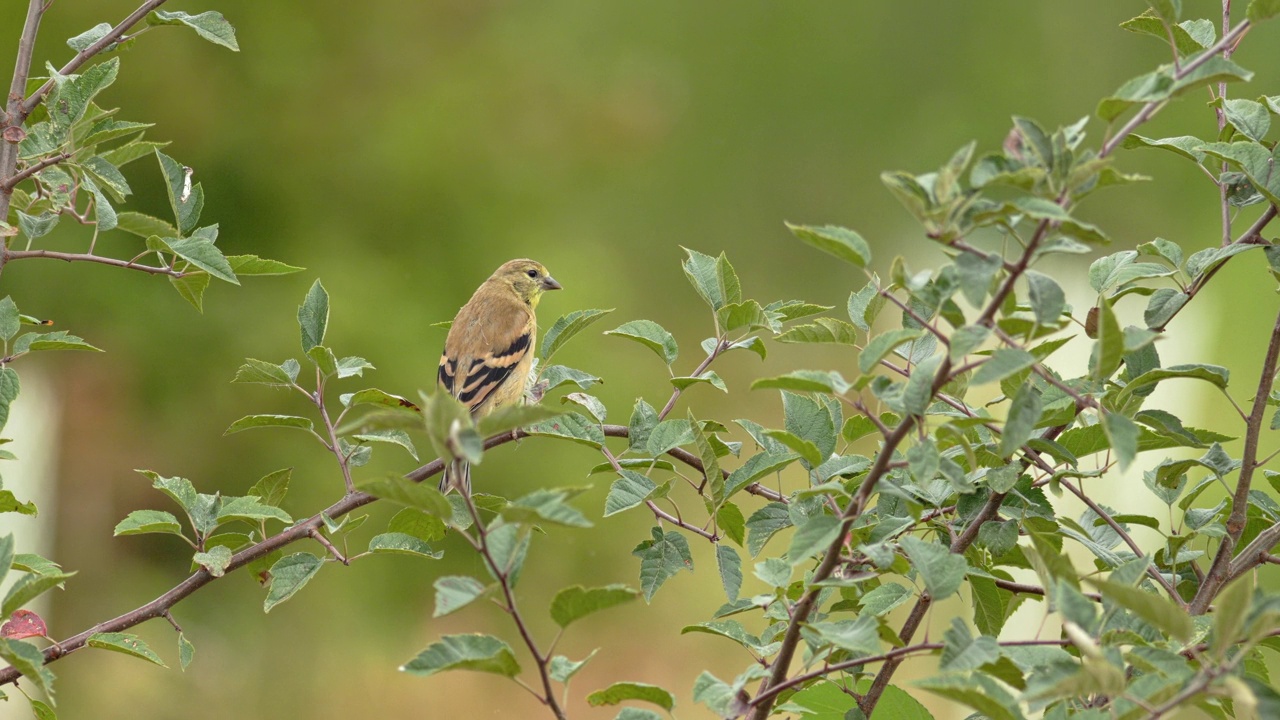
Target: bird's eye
(531,273)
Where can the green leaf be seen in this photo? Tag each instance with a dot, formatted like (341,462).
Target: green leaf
(257,421)
(185,199)
(210,25)
(942,571)
(140,522)
(288,575)
(746,314)
(814,536)
(805,381)
(9,386)
(392,437)
(577,602)
(29,587)
(651,335)
(250,509)
(1216,375)
(401,543)
(1110,346)
(918,392)
(661,558)
(1250,117)
(254,265)
(1254,160)
(191,287)
(1122,433)
(1187,146)
(1024,415)
(406,492)
(1159,85)
(858,636)
(828,331)
(730,566)
(864,305)
(561,668)
(272,487)
(633,713)
(510,417)
(841,242)
(1260,10)
(60,340)
(28,660)
(882,599)
(713,278)
(186,651)
(708,377)
(566,327)
(1230,613)
(1047,297)
(881,345)
(570,426)
(313,316)
(976,690)
(764,523)
(482,653)
(1155,609)
(374,396)
(1162,306)
(262,372)
(453,592)
(89,37)
(1003,363)
(37,226)
(622,691)
(9,319)
(545,506)
(629,490)
(71,94)
(669,434)
(215,560)
(557,375)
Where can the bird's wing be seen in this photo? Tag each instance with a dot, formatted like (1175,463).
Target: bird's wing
(484,346)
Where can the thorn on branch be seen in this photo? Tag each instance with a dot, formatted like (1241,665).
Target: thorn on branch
(334,551)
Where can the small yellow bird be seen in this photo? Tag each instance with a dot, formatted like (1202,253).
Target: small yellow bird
(490,347)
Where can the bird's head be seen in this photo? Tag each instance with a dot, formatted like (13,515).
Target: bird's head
(528,278)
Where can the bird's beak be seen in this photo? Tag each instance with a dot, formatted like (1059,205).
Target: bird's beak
(549,283)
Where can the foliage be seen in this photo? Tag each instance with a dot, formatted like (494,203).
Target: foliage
(953,460)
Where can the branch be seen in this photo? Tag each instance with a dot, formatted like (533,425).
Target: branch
(504,581)
(13,105)
(721,346)
(112,36)
(1220,572)
(6,255)
(7,186)
(1225,45)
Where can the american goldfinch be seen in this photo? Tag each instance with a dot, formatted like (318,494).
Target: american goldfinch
(489,350)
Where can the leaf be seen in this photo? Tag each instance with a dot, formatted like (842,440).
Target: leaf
(858,636)
(215,560)
(1260,10)
(805,381)
(406,492)
(89,37)
(661,558)
(60,340)
(669,434)
(24,624)
(402,543)
(186,651)
(272,487)
(1155,609)
(746,314)
(557,375)
(1109,352)
(374,396)
(28,660)
(545,506)
(918,392)
(730,566)
(210,25)
(1254,160)
(139,522)
(254,265)
(256,421)
(124,643)
(482,653)
(632,713)
(1024,415)
(764,523)
(577,602)
(1003,363)
(1162,306)
(510,417)
(313,316)
(622,691)
(1185,145)
(566,327)
(9,386)
(570,426)
(826,331)
(708,376)
(651,335)
(1122,433)
(1047,297)
(288,575)
(31,586)
(881,345)
(562,668)
(1250,117)
(10,321)
(392,437)
(841,242)
(713,278)
(942,571)
(250,509)
(453,592)
(262,372)
(1216,375)
(1159,85)
(185,199)
(629,490)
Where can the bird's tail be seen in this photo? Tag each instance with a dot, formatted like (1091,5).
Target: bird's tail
(457,474)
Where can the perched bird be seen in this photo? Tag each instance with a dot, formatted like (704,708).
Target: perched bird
(489,350)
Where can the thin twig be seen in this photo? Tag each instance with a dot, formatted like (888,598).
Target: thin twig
(8,185)
(14,116)
(8,255)
(721,346)
(329,546)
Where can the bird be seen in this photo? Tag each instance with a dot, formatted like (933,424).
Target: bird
(489,350)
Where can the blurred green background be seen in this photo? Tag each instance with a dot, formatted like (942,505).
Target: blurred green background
(401,151)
